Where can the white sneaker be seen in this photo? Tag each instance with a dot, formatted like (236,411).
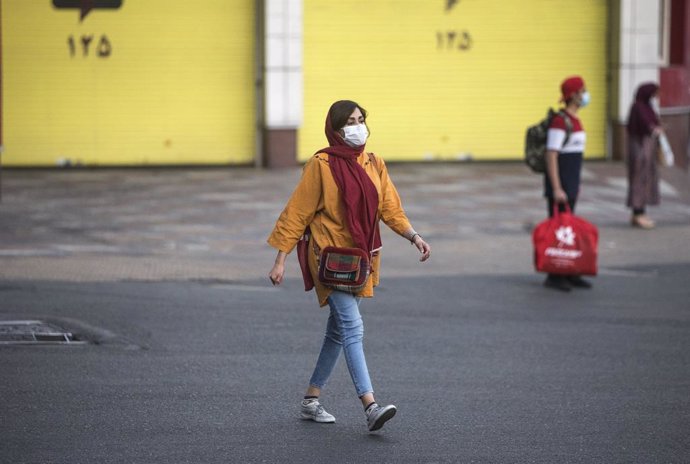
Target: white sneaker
(379,415)
(312,410)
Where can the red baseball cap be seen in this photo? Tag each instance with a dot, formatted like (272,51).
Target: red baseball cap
(570,86)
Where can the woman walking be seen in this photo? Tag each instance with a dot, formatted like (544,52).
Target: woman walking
(342,195)
(643,180)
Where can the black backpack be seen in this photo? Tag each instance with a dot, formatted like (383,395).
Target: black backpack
(535,140)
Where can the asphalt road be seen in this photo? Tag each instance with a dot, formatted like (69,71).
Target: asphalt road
(483,368)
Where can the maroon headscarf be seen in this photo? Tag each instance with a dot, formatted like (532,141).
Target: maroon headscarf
(358,192)
(643,118)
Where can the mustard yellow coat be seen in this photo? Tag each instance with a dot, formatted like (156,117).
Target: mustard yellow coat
(316,203)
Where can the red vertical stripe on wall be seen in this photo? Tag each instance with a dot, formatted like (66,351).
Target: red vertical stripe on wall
(675,78)
(679,33)
(1,75)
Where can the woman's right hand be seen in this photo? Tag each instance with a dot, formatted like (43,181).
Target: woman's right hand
(277,273)
(278,269)
(559,196)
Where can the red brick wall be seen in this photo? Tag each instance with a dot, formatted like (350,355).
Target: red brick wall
(675,83)
(675,79)
(280,148)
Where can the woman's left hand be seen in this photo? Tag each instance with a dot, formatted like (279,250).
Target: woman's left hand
(423,247)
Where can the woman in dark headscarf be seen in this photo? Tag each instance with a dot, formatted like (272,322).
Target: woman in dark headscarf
(643,180)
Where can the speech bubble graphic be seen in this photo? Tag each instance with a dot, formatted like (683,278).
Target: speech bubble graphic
(85,6)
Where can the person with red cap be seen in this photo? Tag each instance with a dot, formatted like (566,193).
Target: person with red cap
(565,146)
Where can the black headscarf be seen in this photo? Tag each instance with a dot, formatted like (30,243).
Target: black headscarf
(643,119)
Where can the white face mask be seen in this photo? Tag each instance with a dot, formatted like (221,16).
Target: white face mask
(355,136)
(654,102)
(585,99)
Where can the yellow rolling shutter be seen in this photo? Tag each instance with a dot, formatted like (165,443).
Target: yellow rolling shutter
(148,82)
(451,79)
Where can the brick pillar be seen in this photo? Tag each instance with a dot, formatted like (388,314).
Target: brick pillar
(280,148)
(283,99)
(634,60)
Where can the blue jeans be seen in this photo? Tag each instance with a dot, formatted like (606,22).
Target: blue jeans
(344,332)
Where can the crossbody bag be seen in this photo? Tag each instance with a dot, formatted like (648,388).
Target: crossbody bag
(343,269)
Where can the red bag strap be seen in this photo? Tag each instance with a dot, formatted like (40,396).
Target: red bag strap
(557,210)
(372,160)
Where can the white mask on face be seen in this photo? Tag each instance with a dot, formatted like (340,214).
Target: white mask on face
(585,99)
(654,102)
(355,136)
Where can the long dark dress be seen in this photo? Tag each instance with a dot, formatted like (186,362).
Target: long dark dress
(643,178)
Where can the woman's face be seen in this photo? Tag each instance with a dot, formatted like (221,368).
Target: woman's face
(355,118)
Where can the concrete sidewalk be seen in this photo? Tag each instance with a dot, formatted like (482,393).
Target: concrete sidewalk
(211,224)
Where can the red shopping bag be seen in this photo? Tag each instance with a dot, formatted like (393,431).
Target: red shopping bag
(565,244)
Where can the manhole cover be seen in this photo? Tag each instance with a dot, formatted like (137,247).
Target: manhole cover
(33,333)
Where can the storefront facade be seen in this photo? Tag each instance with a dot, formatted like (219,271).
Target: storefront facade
(164,82)
(650,43)
(124,82)
(452,80)
(675,79)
